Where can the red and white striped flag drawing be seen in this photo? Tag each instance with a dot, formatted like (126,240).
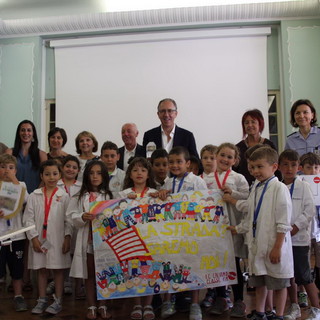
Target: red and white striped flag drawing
(127,245)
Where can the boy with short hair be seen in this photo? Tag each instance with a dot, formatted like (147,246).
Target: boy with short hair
(13,255)
(160,168)
(182,181)
(267,224)
(209,163)
(303,211)
(110,155)
(310,163)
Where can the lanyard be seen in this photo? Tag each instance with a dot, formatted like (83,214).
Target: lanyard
(47,206)
(66,188)
(143,191)
(257,210)
(292,187)
(224,179)
(180,183)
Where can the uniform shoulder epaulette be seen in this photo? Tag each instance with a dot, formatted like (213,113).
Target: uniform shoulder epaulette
(292,133)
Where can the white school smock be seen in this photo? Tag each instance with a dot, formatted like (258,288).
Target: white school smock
(240,191)
(75,211)
(191,182)
(16,221)
(116,179)
(274,216)
(303,211)
(58,227)
(73,189)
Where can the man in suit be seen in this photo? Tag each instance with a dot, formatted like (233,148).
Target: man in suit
(131,148)
(168,134)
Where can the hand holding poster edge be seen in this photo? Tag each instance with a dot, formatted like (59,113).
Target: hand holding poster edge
(18,201)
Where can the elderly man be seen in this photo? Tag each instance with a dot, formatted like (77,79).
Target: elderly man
(169,135)
(129,133)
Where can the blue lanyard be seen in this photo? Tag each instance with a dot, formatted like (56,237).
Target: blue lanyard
(180,183)
(292,187)
(257,210)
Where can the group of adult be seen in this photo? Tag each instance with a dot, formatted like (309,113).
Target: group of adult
(168,135)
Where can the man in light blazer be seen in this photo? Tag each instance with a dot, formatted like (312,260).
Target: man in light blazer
(168,134)
(131,148)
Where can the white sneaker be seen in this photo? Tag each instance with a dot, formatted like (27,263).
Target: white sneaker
(195,312)
(55,307)
(167,309)
(293,313)
(41,306)
(314,314)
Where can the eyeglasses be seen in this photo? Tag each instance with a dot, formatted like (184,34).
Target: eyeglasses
(169,111)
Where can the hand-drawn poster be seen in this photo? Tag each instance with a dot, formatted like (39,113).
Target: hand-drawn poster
(11,198)
(146,246)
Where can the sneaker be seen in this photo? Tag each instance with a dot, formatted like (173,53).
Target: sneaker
(41,306)
(270,314)
(195,312)
(167,309)
(303,299)
(20,304)
(254,316)
(208,300)
(67,288)
(314,314)
(229,303)
(238,310)
(219,306)
(50,288)
(293,313)
(55,307)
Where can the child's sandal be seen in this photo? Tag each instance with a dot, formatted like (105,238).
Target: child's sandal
(103,312)
(92,313)
(136,313)
(148,313)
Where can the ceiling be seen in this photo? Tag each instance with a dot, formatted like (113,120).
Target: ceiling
(47,17)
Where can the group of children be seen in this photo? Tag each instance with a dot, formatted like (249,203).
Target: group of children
(270,222)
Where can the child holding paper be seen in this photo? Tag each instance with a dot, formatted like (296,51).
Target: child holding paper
(50,240)
(13,255)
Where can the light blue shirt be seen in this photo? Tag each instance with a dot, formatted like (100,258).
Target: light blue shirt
(297,142)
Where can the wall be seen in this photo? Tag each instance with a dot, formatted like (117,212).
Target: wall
(20,84)
(21,63)
(300,52)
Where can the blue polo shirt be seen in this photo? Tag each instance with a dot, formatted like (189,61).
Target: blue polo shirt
(297,142)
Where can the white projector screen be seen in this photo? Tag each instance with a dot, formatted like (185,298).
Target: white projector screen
(214,76)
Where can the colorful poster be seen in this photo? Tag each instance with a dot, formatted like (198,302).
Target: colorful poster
(146,246)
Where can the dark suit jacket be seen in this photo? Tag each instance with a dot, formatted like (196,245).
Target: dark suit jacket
(140,152)
(181,138)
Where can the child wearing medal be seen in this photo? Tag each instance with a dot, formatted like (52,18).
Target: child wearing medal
(268,226)
(50,240)
(138,183)
(235,185)
(182,181)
